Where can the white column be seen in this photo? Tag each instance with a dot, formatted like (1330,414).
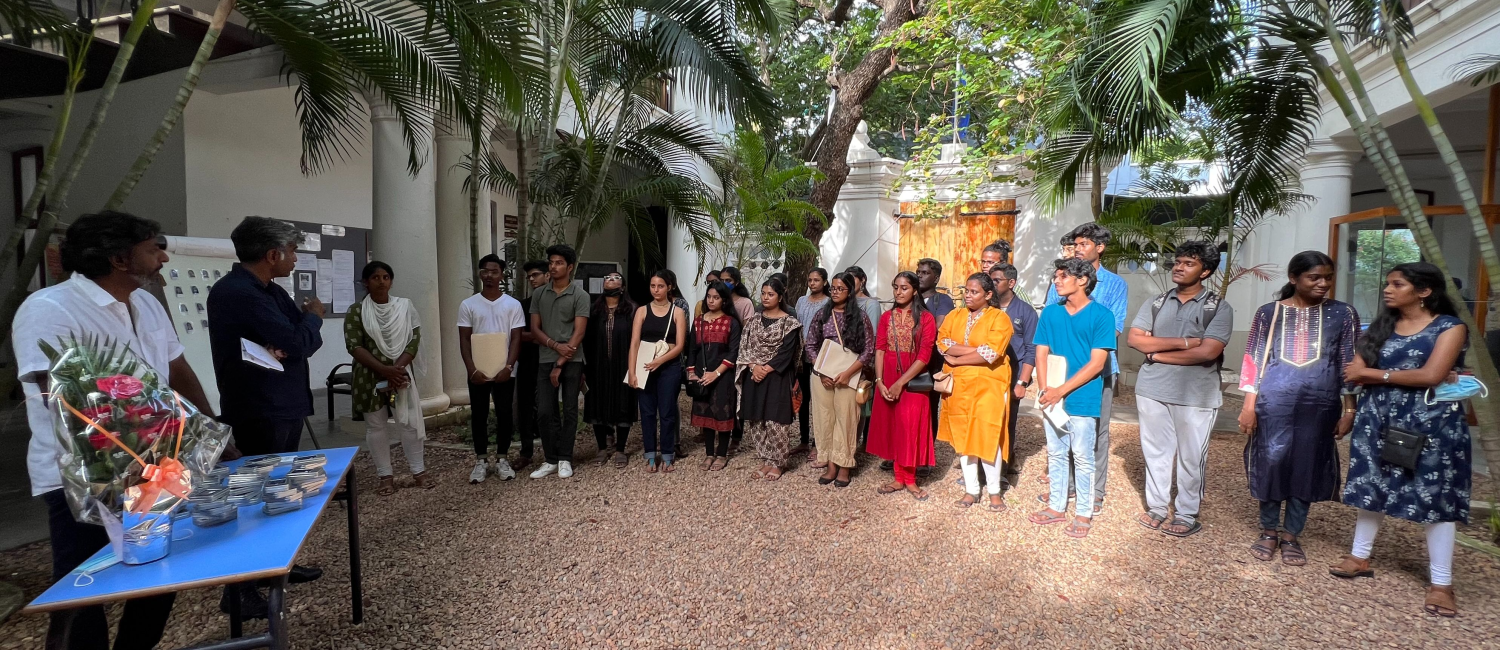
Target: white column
(405,236)
(865,231)
(454,266)
(1326,176)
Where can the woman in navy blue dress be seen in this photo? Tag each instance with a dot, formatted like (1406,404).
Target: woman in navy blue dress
(1295,403)
(1412,347)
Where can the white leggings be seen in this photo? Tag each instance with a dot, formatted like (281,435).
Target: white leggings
(1440,539)
(971,464)
(377,435)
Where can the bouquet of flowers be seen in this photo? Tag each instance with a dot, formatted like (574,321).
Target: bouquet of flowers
(130,444)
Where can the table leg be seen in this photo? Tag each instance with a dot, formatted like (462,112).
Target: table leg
(236,624)
(276,614)
(356,582)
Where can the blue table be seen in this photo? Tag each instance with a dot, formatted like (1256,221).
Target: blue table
(253,547)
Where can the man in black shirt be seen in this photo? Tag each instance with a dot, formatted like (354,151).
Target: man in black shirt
(536,276)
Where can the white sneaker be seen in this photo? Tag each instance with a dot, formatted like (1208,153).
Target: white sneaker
(545,469)
(564,469)
(502,468)
(479,471)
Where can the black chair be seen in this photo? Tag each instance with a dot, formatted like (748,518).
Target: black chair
(342,383)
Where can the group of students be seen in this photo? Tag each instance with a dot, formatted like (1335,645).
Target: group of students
(929,368)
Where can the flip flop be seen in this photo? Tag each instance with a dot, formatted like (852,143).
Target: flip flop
(920,495)
(1150,520)
(887,489)
(1192,528)
(996,508)
(1043,518)
(1078,529)
(620,459)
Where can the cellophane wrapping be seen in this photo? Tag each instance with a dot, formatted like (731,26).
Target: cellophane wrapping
(107,382)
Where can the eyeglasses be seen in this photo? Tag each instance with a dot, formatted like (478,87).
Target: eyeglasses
(612,276)
(837,289)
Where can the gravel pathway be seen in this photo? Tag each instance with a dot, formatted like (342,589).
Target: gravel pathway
(618,558)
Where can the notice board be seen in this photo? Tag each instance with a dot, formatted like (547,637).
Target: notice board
(328,265)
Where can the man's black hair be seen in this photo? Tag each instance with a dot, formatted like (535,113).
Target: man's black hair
(1094,232)
(534,265)
(1008,269)
(490,258)
(1000,246)
(1078,269)
(564,251)
(937,267)
(1205,252)
(94,241)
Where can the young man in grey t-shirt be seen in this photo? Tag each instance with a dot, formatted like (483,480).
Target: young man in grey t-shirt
(1177,393)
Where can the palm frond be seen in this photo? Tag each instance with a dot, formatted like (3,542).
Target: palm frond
(1479,69)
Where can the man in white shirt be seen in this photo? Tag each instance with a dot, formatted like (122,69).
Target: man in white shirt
(110,256)
(489,312)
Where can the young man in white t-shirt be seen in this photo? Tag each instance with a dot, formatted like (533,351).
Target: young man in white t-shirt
(488,312)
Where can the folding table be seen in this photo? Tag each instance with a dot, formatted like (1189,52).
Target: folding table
(253,547)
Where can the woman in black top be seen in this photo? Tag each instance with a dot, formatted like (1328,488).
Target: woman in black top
(712,350)
(766,373)
(610,404)
(659,321)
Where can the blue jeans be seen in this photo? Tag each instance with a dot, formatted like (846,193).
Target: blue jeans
(658,400)
(1079,439)
(1296,515)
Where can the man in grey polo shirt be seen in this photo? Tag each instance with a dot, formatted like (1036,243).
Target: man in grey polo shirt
(1177,393)
(559,317)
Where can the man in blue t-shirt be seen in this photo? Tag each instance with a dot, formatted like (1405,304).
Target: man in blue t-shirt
(1082,333)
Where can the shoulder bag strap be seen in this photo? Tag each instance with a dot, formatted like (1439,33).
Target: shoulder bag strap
(834,316)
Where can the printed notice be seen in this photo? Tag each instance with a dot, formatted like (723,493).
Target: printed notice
(285,283)
(304,282)
(333,231)
(311,241)
(343,280)
(307,263)
(325,291)
(596,285)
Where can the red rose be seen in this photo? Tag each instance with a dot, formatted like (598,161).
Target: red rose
(165,426)
(121,386)
(139,412)
(100,414)
(98,441)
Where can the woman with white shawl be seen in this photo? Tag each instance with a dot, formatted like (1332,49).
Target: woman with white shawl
(382,333)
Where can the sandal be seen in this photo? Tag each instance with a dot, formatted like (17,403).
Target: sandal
(1078,529)
(387,486)
(1150,520)
(600,459)
(651,465)
(1046,517)
(423,481)
(761,472)
(919,494)
(708,463)
(1352,567)
(890,488)
(1265,552)
(1182,528)
(1291,553)
(620,459)
(719,464)
(774,474)
(668,466)
(966,501)
(997,503)
(1441,602)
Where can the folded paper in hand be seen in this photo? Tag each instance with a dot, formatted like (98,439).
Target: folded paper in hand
(258,354)
(1057,375)
(834,359)
(490,352)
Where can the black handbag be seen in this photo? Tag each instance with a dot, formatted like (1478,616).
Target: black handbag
(922,383)
(1402,448)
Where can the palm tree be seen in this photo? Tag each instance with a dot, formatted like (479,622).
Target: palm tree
(760,204)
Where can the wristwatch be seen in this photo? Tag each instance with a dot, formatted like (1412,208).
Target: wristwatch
(1025,383)
(1386,378)
(1151,358)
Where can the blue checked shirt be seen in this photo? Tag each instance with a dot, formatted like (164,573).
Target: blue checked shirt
(1112,292)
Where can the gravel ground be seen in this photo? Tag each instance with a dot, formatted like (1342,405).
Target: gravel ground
(616,558)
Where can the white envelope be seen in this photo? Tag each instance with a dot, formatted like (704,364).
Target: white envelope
(257,354)
(490,352)
(834,359)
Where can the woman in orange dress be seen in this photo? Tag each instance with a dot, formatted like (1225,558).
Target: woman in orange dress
(974,344)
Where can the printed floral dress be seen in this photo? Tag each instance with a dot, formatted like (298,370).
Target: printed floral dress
(1439,490)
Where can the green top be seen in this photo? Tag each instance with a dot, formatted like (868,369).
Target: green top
(366,398)
(558,309)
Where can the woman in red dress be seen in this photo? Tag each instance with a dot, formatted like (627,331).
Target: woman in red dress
(900,423)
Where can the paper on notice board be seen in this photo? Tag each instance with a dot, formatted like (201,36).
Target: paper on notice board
(307,263)
(325,291)
(286,283)
(311,241)
(343,279)
(304,282)
(596,285)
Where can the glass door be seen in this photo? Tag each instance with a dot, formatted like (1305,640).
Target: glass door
(1370,248)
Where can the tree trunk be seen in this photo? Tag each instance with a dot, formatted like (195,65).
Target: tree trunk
(174,114)
(59,193)
(854,89)
(1096,192)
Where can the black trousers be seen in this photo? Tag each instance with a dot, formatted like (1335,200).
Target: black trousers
(722,446)
(621,431)
(480,396)
(559,428)
(526,423)
(86,628)
(804,416)
(255,436)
